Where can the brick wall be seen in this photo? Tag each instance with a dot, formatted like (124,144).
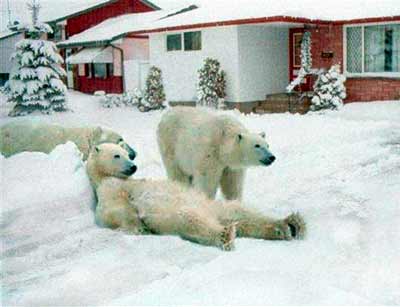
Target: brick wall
(327,38)
(370,89)
(330,38)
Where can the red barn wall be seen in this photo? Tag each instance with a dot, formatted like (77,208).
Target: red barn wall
(112,84)
(84,21)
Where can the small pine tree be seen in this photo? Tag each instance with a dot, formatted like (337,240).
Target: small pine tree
(306,62)
(211,85)
(329,90)
(35,81)
(154,95)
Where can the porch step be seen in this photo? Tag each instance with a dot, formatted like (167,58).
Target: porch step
(284,102)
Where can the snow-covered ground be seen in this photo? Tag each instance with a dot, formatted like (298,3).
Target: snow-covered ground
(341,170)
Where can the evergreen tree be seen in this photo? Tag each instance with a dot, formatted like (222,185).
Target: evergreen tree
(35,81)
(329,90)
(211,85)
(154,95)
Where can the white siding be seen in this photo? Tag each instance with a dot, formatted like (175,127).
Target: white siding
(179,68)
(263,58)
(7,47)
(136,55)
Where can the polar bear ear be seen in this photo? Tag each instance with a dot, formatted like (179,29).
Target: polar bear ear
(262,134)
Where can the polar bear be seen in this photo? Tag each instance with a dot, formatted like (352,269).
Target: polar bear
(206,150)
(19,136)
(141,206)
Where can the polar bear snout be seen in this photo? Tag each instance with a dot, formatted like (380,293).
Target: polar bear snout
(268,160)
(131,170)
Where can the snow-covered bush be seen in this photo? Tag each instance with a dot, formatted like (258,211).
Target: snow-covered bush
(306,62)
(329,90)
(118,100)
(36,78)
(154,95)
(211,87)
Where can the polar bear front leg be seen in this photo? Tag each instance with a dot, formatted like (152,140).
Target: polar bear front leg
(207,181)
(232,183)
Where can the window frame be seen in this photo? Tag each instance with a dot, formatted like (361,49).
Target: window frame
(364,73)
(182,35)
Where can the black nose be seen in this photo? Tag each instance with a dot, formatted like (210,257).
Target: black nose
(132,156)
(272,159)
(133,168)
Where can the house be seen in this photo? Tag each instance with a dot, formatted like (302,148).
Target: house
(105,57)
(70,18)
(257,43)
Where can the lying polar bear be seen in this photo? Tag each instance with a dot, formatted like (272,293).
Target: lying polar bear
(167,207)
(208,151)
(19,136)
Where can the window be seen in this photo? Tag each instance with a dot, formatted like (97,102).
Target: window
(174,42)
(100,70)
(373,49)
(192,40)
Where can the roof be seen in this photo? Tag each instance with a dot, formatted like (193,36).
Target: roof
(92,55)
(220,12)
(51,11)
(203,13)
(112,29)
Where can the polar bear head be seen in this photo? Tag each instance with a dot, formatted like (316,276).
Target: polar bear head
(109,160)
(251,149)
(102,135)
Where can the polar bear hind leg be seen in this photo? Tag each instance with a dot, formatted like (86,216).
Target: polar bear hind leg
(202,229)
(252,224)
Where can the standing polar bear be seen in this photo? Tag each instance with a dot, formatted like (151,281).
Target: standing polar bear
(19,136)
(205,150)
(166,207)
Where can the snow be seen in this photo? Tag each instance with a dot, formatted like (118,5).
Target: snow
(329,10)
(113,28)
(236,10)
(339,169)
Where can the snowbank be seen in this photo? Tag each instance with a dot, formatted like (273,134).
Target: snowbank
(341,170)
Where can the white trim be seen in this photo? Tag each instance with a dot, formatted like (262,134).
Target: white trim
(364,74)
(373,74)
(363,49)
(371,23)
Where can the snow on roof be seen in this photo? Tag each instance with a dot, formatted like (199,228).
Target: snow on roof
(221,11)
(113,28)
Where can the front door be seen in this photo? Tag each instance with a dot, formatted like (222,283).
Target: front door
(295,38)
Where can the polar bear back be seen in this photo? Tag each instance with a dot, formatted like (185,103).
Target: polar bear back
(30,136)
(195,135)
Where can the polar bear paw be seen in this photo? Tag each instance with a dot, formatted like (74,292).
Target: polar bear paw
(296,226)
(227,237)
